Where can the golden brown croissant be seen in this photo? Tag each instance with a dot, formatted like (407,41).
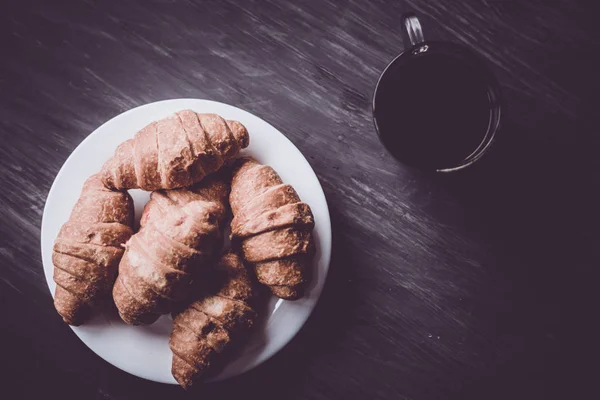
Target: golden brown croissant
(272,227)
(174,152)
(207,326)
(180,230)
(88,249)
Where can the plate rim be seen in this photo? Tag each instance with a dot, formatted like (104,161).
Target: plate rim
(324,223)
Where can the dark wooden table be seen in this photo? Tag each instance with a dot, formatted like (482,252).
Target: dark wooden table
(477,285)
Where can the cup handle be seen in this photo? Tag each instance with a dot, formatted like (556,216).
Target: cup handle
(412,29)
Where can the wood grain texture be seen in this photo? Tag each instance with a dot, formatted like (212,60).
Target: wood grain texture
(475,285)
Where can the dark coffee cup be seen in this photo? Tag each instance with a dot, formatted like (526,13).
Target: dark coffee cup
(436,106)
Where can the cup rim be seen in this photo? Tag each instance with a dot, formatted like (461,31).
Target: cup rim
(494,125)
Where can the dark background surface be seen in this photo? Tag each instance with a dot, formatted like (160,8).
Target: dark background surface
(478,285)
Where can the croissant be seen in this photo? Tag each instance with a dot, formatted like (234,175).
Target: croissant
(272,227)
(88,248)
(179,231)
(206,327)
(174,152)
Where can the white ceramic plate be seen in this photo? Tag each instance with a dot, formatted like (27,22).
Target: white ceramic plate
(144,351)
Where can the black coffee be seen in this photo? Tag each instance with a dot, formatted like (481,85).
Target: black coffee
(433,110)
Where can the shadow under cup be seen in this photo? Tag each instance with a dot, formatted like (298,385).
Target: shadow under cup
(436,106)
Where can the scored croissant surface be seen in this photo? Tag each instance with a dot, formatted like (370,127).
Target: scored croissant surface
(174,152)
(207,326)
(180,230)
(273,228)
(88,249)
